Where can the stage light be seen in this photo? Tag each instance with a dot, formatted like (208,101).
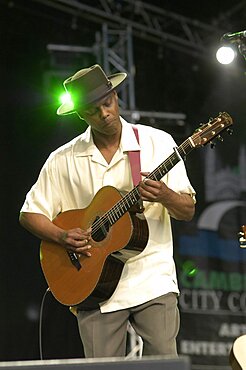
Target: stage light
(189,268)
(225,55)
(65,98)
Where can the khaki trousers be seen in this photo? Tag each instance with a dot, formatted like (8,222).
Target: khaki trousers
(156,322)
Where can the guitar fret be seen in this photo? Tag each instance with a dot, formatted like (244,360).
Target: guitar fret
(155,177)
(163,169)
(182,148)
(111,220)
(124,206)
(128,204)
(160,173)
(113,216)
(119,212)
(172,160)
(133,196)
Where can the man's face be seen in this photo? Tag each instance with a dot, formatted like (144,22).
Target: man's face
(103,116)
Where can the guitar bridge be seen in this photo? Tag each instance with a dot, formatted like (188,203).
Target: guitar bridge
(74,259)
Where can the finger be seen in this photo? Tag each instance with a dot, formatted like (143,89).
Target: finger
(84,250)
(154,184)
(87,233)
(148,183)
(84,237)
(80,233)
(78,243)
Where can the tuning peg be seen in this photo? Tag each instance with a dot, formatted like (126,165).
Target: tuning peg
(212,145)
(230,131)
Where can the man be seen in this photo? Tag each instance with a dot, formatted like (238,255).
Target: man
(147,291)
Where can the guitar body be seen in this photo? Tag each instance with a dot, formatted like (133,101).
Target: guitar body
(98,275)
(237,356)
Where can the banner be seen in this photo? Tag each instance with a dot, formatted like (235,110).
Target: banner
(212,269)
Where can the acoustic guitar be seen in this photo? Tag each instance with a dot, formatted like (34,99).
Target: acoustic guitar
(242,237)
(237,357)
(119,232)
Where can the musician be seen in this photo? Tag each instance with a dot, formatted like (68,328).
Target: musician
(147,291)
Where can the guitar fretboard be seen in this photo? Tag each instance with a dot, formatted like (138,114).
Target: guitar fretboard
(133,197)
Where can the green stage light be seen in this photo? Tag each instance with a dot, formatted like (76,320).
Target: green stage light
(65,98)
(189,268)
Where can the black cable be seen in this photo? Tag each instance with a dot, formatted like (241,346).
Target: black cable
(40,323)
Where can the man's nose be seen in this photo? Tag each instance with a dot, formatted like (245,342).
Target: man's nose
(103,111)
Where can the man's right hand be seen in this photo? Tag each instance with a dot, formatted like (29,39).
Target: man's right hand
(77,241)
(74,240)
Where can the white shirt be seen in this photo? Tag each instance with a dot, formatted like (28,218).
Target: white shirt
(74,173)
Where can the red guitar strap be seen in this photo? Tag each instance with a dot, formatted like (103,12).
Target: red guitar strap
(134,158)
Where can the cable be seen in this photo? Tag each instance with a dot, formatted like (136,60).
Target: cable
(40,323)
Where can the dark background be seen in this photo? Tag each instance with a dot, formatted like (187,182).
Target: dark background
(166,80)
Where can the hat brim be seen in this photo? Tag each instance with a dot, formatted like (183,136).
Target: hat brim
(68,107)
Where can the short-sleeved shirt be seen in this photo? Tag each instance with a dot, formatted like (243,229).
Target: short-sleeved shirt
(74,173)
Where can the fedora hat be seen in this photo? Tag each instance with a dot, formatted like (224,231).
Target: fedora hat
(87,86)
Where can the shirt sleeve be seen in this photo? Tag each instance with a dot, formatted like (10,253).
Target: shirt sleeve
(177,178)
(43,197)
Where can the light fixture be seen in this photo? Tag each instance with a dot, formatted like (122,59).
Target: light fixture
(225,55)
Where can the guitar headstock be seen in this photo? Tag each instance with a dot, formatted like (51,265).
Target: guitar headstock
(242,237)
(212,129)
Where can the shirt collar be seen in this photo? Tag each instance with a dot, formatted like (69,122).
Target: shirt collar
(128,141)
(85,146)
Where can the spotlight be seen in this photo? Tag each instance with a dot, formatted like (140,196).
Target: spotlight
(225,55)
(65,98)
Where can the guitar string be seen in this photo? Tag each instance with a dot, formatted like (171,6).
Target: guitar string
(120,207)
(123,204)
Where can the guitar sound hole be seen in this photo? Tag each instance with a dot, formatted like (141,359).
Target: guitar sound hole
(100,229)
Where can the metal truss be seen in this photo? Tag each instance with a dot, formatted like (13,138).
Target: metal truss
(121,20)
(112,49)
(147,21)
(117,51)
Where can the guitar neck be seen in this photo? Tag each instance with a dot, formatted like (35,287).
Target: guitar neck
(133,197)
(178,154)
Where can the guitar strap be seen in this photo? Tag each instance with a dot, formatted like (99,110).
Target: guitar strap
(134,158)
